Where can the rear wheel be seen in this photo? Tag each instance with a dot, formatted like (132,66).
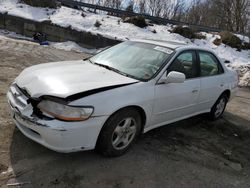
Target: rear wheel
(218,108)
(119,132)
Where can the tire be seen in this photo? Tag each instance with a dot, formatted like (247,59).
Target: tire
(119,132)
(218,108)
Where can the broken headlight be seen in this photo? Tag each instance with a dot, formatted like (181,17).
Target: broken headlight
(65,112)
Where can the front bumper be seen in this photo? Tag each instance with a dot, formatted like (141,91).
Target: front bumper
(57,135)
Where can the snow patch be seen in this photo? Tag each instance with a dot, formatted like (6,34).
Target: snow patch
(67,46)
(72,46)
(243,70)
(113,27)
(12,7)
(243,38)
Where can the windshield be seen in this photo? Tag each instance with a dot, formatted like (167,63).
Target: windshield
(134,59)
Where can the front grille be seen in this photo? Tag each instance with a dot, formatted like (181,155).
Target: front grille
(20,99)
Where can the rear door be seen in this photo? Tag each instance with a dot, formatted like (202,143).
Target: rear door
(212,79)
(177,100)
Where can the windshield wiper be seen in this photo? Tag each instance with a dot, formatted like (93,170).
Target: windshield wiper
(105,66)
(113,69)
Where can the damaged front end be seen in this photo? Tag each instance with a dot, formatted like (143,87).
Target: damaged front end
(51,122)
(25,107)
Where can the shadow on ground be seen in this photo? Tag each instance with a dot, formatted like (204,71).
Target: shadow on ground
(189,153)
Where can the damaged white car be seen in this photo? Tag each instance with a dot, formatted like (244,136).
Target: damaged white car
(108,100)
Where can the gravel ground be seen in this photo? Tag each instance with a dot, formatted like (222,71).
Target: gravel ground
(190,153)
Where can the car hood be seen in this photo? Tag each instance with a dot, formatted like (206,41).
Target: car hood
(63,79)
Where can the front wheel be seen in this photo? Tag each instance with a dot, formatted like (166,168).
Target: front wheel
(218,108)
(119,132)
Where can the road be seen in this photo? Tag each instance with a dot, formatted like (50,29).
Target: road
(190,153)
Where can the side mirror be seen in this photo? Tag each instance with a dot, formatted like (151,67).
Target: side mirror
(173,77)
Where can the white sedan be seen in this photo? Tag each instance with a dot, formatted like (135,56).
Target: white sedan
(108,100)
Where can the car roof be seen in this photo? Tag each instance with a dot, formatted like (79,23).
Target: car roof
(174,45)
(169,44)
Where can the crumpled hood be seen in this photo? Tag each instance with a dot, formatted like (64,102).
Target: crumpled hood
(63,79)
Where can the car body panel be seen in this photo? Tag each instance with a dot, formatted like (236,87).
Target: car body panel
(60,136)
(108,92)
(63,79)
(175,100)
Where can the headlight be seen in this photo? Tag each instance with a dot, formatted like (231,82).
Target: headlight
(64,112)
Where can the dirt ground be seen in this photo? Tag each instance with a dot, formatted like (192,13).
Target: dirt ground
(190,153)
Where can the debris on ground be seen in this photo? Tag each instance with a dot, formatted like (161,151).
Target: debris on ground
(18,183)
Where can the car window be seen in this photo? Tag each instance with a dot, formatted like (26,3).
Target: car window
(185,63)
(209,65)
(135,59)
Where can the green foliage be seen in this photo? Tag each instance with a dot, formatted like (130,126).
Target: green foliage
(41,3)
(230,39)
(138,21)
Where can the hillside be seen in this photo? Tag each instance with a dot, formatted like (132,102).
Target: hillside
(114,27)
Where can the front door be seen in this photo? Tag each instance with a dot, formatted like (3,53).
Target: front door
(175,101)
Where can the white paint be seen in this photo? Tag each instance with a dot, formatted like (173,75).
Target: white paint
(162,103)
(67,78)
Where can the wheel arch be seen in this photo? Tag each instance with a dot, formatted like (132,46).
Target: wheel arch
(136,107)
(227,92)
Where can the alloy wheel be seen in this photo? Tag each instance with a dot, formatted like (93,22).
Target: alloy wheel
(124,133)
(220,107)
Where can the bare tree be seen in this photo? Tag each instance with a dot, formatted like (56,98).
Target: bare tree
(230,15)
(155,7)
(113,3)
(130,6)
(240,14)
(177,8)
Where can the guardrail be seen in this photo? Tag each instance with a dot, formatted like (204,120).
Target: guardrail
(76,4)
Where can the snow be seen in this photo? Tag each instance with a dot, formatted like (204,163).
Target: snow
(5,33)
(67,46)
(243,70)
(12,7)
(72,46)
(110,27)
(243,38)
(66,17)
(113,27)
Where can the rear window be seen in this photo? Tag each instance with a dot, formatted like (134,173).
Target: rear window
(209,64)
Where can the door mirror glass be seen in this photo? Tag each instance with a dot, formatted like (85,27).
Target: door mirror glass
(173,77)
